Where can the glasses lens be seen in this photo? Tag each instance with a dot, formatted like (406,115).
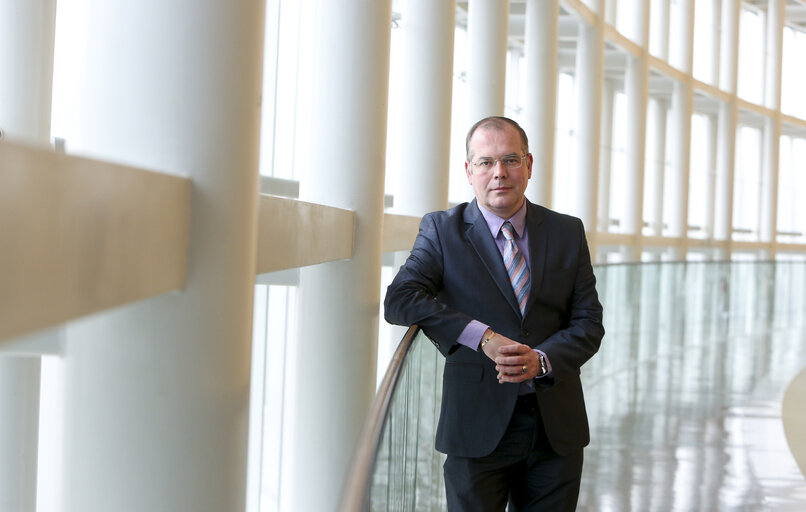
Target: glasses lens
(512,161)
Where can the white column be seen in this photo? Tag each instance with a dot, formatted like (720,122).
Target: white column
(27,29)
(682,108)
(589,80)
(513,101)
(605,156)
(428,39)
(339,301)
(19,429)
(715,35)
(776,14)
(660,27)
(157,393)
(726,130)
(611,11)
(659,113)
(540,97)
(487,30)
(636,85)
(710,176)
(428,29)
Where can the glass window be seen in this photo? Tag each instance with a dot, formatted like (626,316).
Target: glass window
(458,188)
(618,165)
(676,33)
(657,165)
(751,56)
(394,122)
(698,177)
(625,18)
(747,184)
(274,327)
(565,142)
(285,80)
(791,189)
(706,30)
(793,76)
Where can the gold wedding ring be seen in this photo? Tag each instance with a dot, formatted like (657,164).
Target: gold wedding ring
(523,370)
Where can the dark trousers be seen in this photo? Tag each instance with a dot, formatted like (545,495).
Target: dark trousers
(523,471)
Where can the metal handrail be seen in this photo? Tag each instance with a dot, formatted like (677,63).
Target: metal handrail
(356,488)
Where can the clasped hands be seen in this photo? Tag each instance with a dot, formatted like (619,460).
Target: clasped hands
(515,362)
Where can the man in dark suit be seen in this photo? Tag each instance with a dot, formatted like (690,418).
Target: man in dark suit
(505,290)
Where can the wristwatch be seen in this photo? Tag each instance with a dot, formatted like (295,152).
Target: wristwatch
(543,366)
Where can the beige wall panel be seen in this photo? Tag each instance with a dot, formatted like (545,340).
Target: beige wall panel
(79,236)
(399,232)
(294,233)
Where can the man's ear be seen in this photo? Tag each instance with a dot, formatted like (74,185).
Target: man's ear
(469,172)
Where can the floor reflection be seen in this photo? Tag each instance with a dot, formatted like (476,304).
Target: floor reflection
(684,397)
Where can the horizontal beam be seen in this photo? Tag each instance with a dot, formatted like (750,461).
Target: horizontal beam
(80,236)
(293,233)
(399,232)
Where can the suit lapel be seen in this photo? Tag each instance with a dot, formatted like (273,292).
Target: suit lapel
(538,244)
(478,233)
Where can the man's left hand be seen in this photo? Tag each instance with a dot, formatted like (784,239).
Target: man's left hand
(516,363)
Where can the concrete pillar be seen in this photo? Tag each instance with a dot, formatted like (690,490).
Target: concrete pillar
(659,110)
(715,35)
(660,28)
(682,108)
(726,129)
(157,393)
(428,40)
(611,12)
(605,156)
(589,80)
(636,85)
(428,29)
(710,175)
(19,428)
(540,97)
(339,301)
(27,29)
(768,209)
(487,30)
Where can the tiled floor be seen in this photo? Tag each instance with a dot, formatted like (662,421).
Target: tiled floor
(685,395)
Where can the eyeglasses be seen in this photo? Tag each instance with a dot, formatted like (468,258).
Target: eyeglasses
(509,161)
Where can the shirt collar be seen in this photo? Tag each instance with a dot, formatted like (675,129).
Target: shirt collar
(494,222)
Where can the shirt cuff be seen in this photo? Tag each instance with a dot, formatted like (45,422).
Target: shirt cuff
(548,363)
(471,335)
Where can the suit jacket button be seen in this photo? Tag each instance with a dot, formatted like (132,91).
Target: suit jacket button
(525,333)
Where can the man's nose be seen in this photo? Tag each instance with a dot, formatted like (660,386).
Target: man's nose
(499,169)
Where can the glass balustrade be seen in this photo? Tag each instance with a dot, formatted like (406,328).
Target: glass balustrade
(684,396)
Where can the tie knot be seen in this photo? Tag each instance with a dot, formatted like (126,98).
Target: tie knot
(508,231)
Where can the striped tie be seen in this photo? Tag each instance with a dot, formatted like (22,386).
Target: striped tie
(516,266)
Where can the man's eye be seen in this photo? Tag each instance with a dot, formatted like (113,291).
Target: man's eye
(510,161)
(484,163)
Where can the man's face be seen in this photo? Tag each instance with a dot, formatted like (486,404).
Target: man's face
(498,188)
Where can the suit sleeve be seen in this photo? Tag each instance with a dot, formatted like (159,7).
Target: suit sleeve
(579,339)
(413,296)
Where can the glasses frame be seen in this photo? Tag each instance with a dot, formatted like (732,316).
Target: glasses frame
(499,159)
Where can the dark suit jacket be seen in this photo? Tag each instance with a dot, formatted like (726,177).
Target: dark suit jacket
(455,274)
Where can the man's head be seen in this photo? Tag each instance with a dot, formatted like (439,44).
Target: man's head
(498,164)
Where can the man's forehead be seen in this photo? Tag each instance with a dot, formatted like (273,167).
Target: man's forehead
(494,134)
